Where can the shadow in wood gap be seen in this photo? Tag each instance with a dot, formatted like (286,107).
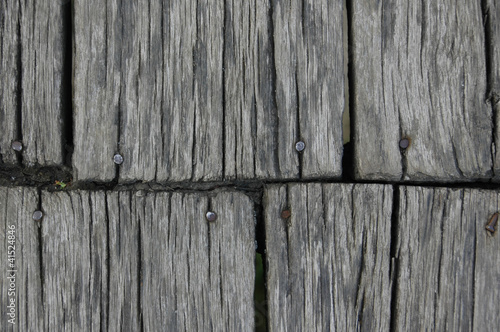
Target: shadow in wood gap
(67,84)
(260,292)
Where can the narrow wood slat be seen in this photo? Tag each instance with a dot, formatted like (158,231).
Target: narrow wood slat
(419,71)
(446,259)
(10,73)
(75,272)
(329,263)
(31,66)
(16,209)
(196,275)
(310,84)
(196,91)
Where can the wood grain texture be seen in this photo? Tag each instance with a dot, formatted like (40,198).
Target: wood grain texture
(310,83)
(419,71)
(187,91)
(16,209)
(329,263)
(445,258)
(42,51)
(10,72)
(156,93)
(196,275)
(492,27)
(31,67)
(74,248)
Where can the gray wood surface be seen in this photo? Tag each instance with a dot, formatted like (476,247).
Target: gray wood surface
(329,263)
(196,275)
(446,260)
(419,71)
(75,273)
(31,57)
(10,73)
(130,260)
(492,27)
(16,209)
(203,92)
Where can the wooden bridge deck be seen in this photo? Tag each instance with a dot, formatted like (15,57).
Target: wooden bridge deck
(206,102)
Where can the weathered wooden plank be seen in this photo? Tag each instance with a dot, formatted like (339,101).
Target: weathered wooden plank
(252,142)
(24,286)
(445,258)
(75,272)
(329,263)
(31,57)
(157,89)
(418,73)
(10,73)
(309,85)
(187,91)
(196,275)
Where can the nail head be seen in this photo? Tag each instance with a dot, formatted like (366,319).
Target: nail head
(492,223)
(300,146)
(211,216)
(404,143)
(118,159)
(285,214)
(17,146)
(37,215)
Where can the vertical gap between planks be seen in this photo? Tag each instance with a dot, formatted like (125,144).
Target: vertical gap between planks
(224,18)
(260,293)
(19,93)
(491,95)
(40,249)
(67,84)
(348,116)
(394,266)
(274,76)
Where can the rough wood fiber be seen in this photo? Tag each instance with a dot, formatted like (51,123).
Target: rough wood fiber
(186,91)
(329,263)
(309,84)
(155,85)
(446,260)
(75,272)
(42,51)
(10,74)
(419,71)
(492,16)
(196,275)
(16,208)
(31,65)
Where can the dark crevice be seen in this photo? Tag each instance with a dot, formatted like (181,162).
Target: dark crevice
(260,292)
(491,93)
(394,256)
(40,249)
(297,121)
(67,84)
(274,75)
(348,154)
(19,92)
(224,62)
(108,263)
(139,266)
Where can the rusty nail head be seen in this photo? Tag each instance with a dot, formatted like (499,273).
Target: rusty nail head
(404,143)
(37,215)
(300,146)
(118,159)
(17,146)
(492,223)
(211,216)
(285,214)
